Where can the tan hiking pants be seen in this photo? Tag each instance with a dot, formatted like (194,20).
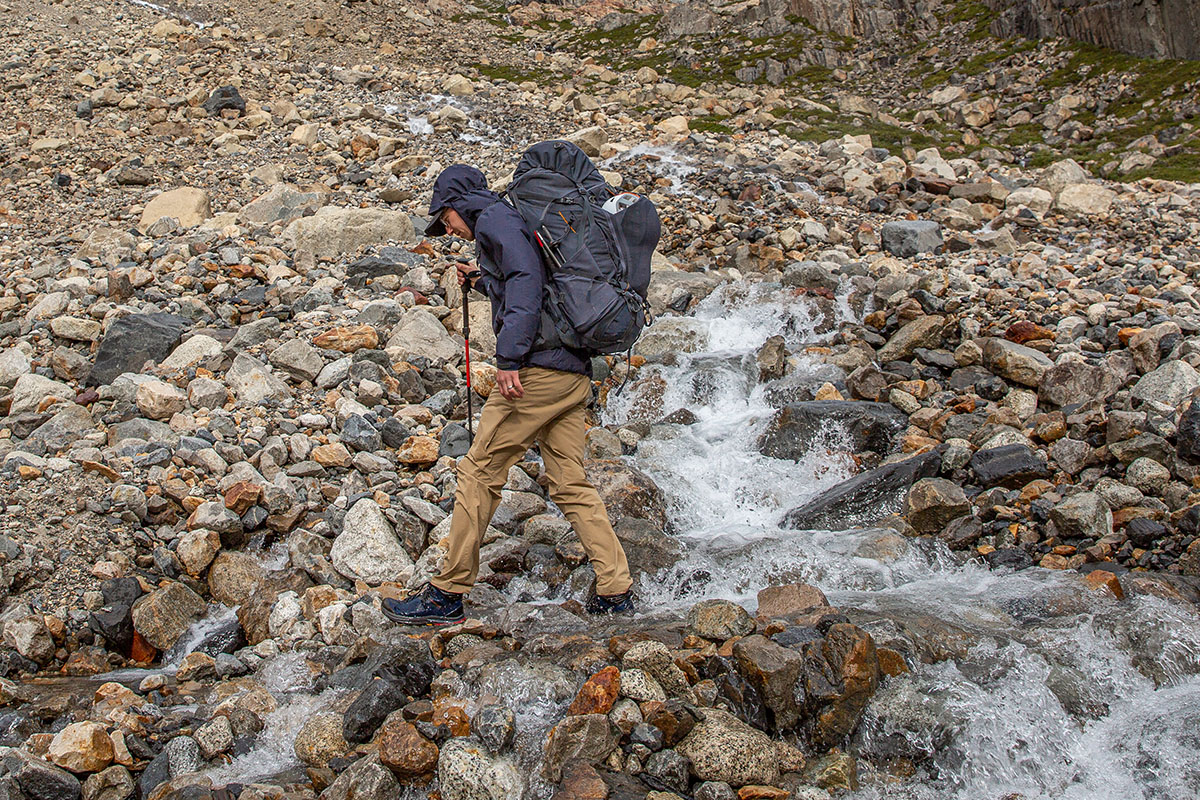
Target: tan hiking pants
(551,413)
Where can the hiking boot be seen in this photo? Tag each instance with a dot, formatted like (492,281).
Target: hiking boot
(611,603)
(430,606)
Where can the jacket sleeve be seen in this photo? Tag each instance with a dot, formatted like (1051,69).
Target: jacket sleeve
(524,279)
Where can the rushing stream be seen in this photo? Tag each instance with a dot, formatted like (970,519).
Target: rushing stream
(1042,688)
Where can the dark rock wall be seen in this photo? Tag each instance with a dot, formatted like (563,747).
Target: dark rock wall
(1149,28)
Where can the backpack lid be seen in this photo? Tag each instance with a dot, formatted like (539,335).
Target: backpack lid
(564,158)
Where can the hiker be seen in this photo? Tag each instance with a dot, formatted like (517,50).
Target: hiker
(541,392)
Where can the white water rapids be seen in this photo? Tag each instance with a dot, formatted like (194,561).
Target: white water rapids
(1047,689)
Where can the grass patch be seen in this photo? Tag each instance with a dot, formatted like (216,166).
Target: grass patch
(974,12)
(710,123)
(1183,167)
(834,126)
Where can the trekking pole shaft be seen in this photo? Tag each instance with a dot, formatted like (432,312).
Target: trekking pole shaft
(467,352)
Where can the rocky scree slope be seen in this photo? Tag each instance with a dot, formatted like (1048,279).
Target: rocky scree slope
(231,374)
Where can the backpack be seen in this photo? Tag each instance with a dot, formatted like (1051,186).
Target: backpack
(596,245)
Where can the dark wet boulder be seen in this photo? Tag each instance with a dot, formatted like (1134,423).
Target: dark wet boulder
(837,424)
(372,706)
(865,498)
(1011,466)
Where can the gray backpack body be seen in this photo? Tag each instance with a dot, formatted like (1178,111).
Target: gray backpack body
(597,262)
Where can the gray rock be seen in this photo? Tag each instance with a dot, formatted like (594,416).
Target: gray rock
(422,334)
(332,232)
(670,769)
(718,620)
(297,358)
(908,238)
(183,756)
(588,737)
(1072,382)
(723,748)
(1015,362)
(283,202)
(358,434)
(367,548)
(1083,515)
(253,384)
(365,779)
(1172,384)
(932,503)
(1011,466)
(467,772)
(1148,476)
(921,332)
(495,726)
(162,616)
(42,781)
(863,499)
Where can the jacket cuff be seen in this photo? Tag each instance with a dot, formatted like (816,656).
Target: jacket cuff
(505,364)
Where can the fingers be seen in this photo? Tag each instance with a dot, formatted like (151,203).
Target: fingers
(517,390)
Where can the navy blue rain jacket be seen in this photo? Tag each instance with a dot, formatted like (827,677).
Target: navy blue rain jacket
(513,276)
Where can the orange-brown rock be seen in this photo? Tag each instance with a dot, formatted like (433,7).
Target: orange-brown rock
(891,663)
(598,694)
(348,339)
(418,450)
(763,793)
(242,496)
(1026,331)
(331,455)
(404,751)
(780,601)
(1102,580)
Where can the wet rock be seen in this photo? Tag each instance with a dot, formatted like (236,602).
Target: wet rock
(1011,466)
(909,238)
(588,737)
(669,769)
(133,340)
(367,548)
(772,359)
(647,548)
(798,428)
(214,737)
(773,671)
(466,772)
(834,772)
(233,576)
(627,492)
(81,747)
(860,500)
(932,503)
(320,740)
(723,748)
(580,781)
(495,725)
(372,706)
(404,751)
(162,616)
(598,693)
(718,620)
(788,600)
(841,674)
(365,779)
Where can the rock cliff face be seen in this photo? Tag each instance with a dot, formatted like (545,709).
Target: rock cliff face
(1151,28)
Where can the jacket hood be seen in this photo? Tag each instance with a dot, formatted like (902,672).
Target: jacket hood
(462,188)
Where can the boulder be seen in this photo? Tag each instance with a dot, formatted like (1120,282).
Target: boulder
(841,674)
(367,549)
(466,772)
(30,637)
(189,205)
(133,340)
(283,202)
(864,498)
(320,739)
(1085,200)
(1072,382)
(254,384)
(789,599)
(162,616)
(588,737)
(1011,466)
(627,492)
(773,671)
(932,503)
(718,620)
(798,428)
(723,748)
(334,232)
(1084,515)
(589,140)
(404,751)
(921,332)
(1173,383)
(299,359)
(81,747)
(908,238)
(1015,362)
(365,779)
(420,334)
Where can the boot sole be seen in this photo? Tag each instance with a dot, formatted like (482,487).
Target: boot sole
(402,619)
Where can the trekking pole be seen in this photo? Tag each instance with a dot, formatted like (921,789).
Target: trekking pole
(466,302)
